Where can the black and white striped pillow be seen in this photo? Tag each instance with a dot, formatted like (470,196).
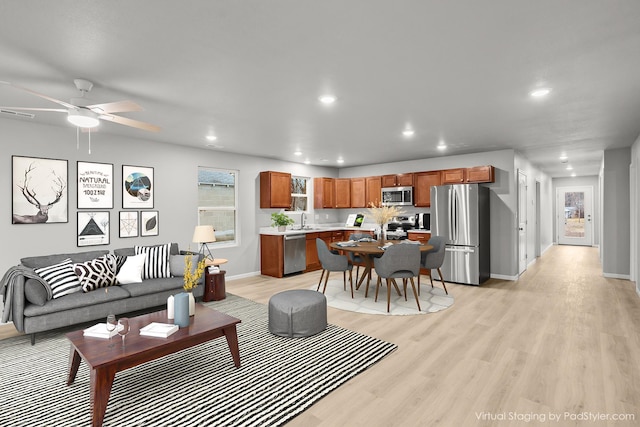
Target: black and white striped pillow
(61,278)
(156,264)
(97,273)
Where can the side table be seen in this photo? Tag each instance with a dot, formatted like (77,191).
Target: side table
(214,285)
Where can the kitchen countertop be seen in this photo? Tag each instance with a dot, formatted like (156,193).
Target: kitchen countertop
(272,231)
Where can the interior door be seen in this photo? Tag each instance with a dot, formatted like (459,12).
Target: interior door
(522,222)
(575,215)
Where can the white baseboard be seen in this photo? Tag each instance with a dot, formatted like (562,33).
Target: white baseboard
(547,248)
(533,261)
(616,276)
(243,276)
(503,277)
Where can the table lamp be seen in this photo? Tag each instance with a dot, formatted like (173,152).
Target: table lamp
(204,234)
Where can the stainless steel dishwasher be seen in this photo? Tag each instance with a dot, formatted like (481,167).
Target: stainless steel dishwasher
(295,253)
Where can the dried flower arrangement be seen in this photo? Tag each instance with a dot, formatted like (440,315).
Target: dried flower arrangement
(191,277)
(383,214)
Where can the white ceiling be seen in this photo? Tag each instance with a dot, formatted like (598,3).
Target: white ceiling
(251,71)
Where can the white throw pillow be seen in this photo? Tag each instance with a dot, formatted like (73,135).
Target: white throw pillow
(131,270)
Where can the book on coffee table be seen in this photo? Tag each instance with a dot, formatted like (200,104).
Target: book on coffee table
(155,329)
(99,331)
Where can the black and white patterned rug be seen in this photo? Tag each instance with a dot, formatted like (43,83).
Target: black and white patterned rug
(279,378)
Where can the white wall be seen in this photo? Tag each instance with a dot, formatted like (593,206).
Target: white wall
(634,170)
(616,213)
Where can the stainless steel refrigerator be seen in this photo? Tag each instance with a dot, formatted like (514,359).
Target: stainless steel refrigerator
(460,213)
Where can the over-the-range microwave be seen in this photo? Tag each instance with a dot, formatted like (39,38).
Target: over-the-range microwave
(397,196)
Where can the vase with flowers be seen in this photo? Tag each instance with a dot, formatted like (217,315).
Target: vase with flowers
(191,278)
(382,214)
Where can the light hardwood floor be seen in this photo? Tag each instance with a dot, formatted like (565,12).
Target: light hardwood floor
(560,340)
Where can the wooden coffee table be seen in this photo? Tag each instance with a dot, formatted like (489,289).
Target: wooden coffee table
(206,325)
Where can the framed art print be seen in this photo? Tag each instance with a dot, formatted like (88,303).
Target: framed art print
(137,187)
(95,185)
(93,228)
(39,190)
(128,224)
(149,223)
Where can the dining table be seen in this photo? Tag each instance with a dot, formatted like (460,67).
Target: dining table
(370,250)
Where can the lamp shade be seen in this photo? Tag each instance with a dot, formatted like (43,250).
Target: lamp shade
(204,234)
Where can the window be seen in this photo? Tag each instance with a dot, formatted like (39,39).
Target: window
(299,199)
(218,203)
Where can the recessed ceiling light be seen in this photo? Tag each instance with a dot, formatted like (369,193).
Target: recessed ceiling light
(327,99)
(442,146)
(307,162)
(540,92)
(564,158)
(218,146)
(324,160)
(408,133)
(211,137)
(569,167)
(573,174)
(340,160)
(297,153)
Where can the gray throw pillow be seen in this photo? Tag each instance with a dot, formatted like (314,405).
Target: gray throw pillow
(35,292)
(176,264)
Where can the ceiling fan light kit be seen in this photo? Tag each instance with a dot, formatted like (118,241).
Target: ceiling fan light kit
(83,118)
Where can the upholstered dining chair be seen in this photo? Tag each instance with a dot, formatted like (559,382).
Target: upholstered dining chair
(355,258)
(399,261)
(433,260)
(333,262)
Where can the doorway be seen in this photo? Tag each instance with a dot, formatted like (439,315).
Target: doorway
(574,213)
(522,222)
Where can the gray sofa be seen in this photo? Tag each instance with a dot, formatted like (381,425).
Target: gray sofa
(29,305)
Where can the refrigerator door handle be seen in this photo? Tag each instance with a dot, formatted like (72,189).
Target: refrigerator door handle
(450,213)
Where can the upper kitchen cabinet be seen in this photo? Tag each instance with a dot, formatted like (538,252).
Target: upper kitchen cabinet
(453,176)
(343,192)
(358,193)
(324,193)
(398,180)
(275,190)
(374,190)
(422,189)
(480,174)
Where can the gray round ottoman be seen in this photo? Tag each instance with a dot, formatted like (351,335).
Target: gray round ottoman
(297,313)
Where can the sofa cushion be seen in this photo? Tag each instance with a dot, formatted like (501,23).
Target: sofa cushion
(156,264)
(61,278)
(131,271)
(152,286)
(177,264)
(46,260)
(131,251)
(97,273)
(35,292)
(77,300)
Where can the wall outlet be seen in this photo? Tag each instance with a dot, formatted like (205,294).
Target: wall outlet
(326,216)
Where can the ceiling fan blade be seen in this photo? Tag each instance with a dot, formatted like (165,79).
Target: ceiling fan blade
(61,110)
(130,122)
(115,107)
(57,101)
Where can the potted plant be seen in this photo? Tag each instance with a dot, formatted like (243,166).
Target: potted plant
(280,220)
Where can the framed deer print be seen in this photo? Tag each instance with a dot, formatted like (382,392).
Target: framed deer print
(95,185)
(39,190)
(137,187)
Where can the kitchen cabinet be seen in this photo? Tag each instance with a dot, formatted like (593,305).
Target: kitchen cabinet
(422,189)
(480,174)
(342,192)
(453,176)
(477,174)
(423,238)
(398,180)
(272,255)
(374,190)
(324,193)
(313,263)
(275,190)
(358,193)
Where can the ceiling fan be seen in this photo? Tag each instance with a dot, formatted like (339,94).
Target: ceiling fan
(83,115)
